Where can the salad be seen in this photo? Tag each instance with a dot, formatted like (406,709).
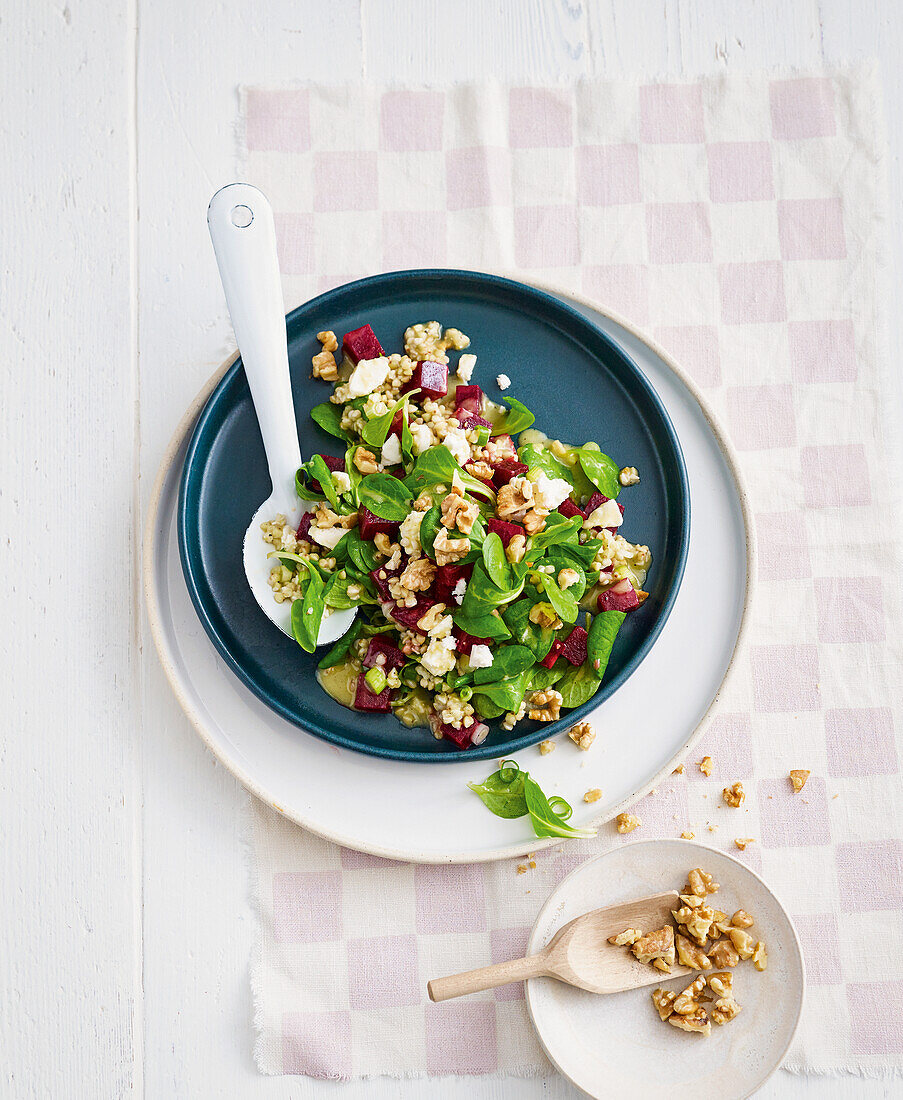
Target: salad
(485,560)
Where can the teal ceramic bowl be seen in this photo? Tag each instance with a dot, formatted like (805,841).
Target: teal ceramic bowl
(577,381)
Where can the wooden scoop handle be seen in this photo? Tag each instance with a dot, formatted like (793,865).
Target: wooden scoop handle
(486,977)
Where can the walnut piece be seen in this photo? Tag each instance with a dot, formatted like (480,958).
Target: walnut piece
(458,512)
(629,476)
(743,842)
(481,470)
(582,735)
(328,340)
(798,779)
(545,706)
(545,747)
(516,549)
(567,578)
(656,946)
(734,794)
(323,365)
(514,499)
(365,461)
(705,765)
(625,938)
(626,823)
(743,942)
(742,919)
(724,1010)
(700,883)
(691,955)
(722,983)
(535,520)
(698,1022)
(760,956)
(449,550)
(687,834)
(593,795)
(688,1001)
(723,954)
(663,999)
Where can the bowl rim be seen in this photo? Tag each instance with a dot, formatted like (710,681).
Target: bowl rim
(189,552)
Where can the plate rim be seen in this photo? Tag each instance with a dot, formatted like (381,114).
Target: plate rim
(702,848)
(189,549)
(153,608)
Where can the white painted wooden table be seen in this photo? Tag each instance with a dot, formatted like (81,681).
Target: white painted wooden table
(124,924)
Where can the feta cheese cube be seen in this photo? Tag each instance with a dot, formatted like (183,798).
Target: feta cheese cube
(391,453)
(503,381)
(481,657)
(606,515)
(341,481)
(456,441)
(422,436)
(367,375)
(327,536)
(438,658)
(549,492)
(465,367)
(459,589)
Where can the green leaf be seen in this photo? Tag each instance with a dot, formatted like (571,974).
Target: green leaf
(329,417)
(581,553)
(483,596)
(385,496)
(508,661)
(354,474)
(502,795)
(438,466)
(407,439)
(301,487)
(336,592)
(538,457)
(546,822)
(495,562)
(577,686)
(480,626)
(601,470)
(361,552)
(517,419)
(543,678)
(504,693)
(339,651)
(376,430)
(307,613)
(602,634)
(486,708)
(320,472)
(562,530)
(559,561)
(525,633)
(564,603)
(429,528)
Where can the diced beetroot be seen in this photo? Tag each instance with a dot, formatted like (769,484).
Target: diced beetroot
(568,508)
(365,699)
(552,656)
(506,470)
(447,576)
(620,597)
(304,525)
(409,616)
(391,655)
(361,344)
(370,525)
(594,501)
(466,642)
(465,736)
(505,529)
(335,465)
(471,420)
(469,398)
(573,648)
(430,378)
(397,424)
(382,583)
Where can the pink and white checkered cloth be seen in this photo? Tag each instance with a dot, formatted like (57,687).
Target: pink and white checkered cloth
(739,220)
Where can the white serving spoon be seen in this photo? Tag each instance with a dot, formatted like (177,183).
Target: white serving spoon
(241,225)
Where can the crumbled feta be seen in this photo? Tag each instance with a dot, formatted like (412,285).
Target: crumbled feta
(391,453)
(606,515)
(367,375)
(341,481)
(459,589)
(422,436)
(465,367)
(409,534)
(442,629)
(549,492)
(481,656)
(456,441)
(327,536)
(438,658)
(503,381)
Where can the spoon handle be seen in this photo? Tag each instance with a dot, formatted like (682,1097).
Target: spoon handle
(241,225)
(487,977)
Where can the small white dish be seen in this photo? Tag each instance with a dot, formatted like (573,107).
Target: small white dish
(616,1045)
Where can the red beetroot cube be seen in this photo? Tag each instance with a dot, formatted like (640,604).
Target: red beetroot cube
(469,398)
(384,655)
(370,525)
(430,378)
(552,656)
(465,736)
(568,508)
(382,583)
(505,529)
(620,597)
(362,344)
(466,641)
(410,616)
(365,699)
(447,576)
(573,648)
(335,465)
(471,420)
(507,469)
(304,525)
(594,502)
(397,424)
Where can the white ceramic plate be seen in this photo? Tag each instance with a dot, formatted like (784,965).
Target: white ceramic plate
(616,1045)
(425,813)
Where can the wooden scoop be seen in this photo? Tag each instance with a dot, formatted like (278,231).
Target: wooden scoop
(580,954)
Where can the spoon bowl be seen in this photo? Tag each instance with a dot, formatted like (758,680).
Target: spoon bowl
(243,232)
